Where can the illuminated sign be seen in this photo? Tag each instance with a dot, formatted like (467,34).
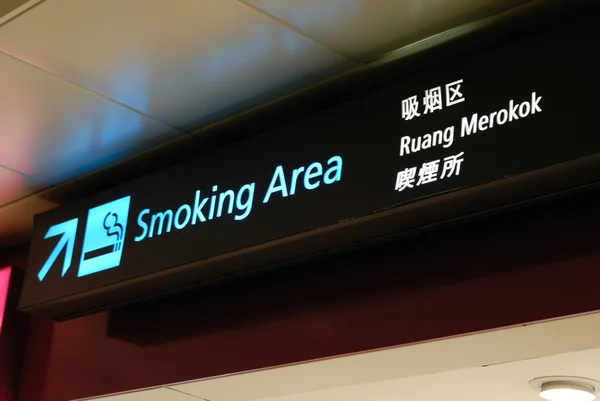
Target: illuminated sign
(299,189)
(105,225)
(237,203)
(102,241)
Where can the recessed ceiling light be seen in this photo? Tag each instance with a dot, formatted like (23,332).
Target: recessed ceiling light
(567,391)
(566,388)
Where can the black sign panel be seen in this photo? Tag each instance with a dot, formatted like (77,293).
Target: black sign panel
(511,110)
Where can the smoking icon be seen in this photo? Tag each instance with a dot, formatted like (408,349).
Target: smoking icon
(113,227)
(104,237)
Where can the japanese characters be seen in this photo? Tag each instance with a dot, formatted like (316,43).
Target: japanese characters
(429,172)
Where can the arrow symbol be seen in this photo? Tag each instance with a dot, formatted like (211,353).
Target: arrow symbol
(68,230)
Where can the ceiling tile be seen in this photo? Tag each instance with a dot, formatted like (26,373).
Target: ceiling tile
(366,29)
(337,378)
(184,62)
(14,186)
(9,8)
(159,394)
(506,381)
(53,130)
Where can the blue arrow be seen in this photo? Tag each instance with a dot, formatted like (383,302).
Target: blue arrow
(68,230)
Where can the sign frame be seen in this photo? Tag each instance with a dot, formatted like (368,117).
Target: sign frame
(438,211)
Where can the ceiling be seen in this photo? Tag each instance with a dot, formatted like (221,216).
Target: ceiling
(88,83)
(493,366)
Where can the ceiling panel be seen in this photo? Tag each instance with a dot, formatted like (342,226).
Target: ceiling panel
(183,62)
(322,380)
(365,29)
(492,383)
(53,130)
(159,394)
(15,185)
(9,7)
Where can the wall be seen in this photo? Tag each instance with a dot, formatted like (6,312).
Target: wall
(13,332)
(535,264)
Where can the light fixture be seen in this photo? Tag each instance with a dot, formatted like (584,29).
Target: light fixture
(567,391)
(566,388)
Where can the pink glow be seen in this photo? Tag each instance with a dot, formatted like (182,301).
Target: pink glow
(4,283)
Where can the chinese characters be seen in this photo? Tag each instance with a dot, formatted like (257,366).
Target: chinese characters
(433,100)
(429,172)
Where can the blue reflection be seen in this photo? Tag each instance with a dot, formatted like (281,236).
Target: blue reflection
(236,55)
(94,139)
(94,135)
(75,146)
(90,140)
(117,127)
(321,14)
(292,42)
